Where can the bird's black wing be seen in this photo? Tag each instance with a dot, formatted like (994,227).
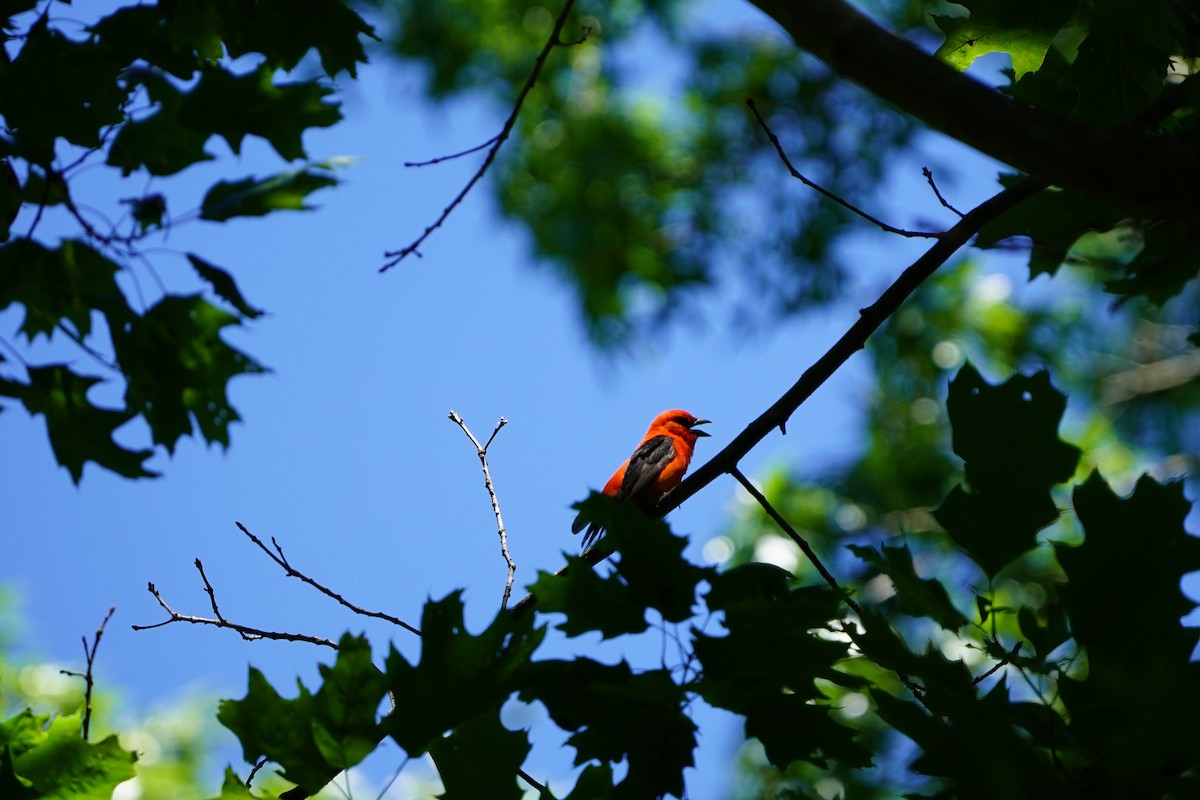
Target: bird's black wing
(645,465)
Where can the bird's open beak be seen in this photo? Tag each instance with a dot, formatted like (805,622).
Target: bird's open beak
(700,422)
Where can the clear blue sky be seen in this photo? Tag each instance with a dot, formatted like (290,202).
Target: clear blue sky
(346,455)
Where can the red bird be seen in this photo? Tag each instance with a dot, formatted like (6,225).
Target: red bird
(655,468)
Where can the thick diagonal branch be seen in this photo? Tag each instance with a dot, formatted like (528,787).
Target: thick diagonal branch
(1151,176)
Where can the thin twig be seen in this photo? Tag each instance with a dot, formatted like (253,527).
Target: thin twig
(800,541)
(244,630)
(541,790)
(1008,657)
(481,451)
(279,558)
(261,763)
(89,655)
(928,173)
(917,690)
(787,162)
(396,256)
(452,156)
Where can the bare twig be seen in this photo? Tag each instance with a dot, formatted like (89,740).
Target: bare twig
(1008,657)
(262,762)
(244,630)
(541,790)
(452,156)
(928,173)
(89,655)
(800,541)
(787,162)
(481,451)
(279,558)
(394,257)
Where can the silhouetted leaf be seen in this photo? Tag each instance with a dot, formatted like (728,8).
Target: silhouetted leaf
(458,676)
(255,197)
(615,713)
(917,597)
(312,737)
(79,431)
(765,668)
(480,758)
(224,285)
(1008,437)
(178,368)
(1125,603)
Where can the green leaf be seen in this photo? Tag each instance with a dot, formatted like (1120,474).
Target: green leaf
(224,285)
(233,788)
(79,432)
(480,758)
(1008,437)
(10,197)
(81,77)
(459,676)
(1121,65)
(312,737)
(236,106)
(255,197)
(590,602)
(46,757)
(285,30)
(268,725)
(972,741)
(1167,263)
(915,596)
(650,559)
(147,211)
(1125,603)
(345,708)
(596,780)
(161,142)
(65,284)
(1054,219)
(1024,30)
(616,714)
(765,667)
(178,368)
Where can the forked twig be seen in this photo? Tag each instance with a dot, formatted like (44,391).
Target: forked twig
(245,631)
(279,558)
(481,451)
(787,162)
(394,257)
(1008,657)
(89,655)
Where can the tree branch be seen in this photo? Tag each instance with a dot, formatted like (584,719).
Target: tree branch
(279,558)
(1153,176)
(795,173)
(851,342)
(245,631)
(481,451)
(394,257)
(89,655)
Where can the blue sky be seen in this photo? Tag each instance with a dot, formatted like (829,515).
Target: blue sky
(346,454)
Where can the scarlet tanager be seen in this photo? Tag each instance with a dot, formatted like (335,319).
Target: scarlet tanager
(655,468)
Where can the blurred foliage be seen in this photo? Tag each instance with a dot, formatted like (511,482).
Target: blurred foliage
(143,91)
(642,183)
(40,715)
